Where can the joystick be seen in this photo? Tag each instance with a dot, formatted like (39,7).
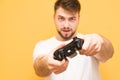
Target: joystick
(68,49)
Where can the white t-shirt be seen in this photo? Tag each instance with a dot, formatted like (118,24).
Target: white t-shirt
(80,67)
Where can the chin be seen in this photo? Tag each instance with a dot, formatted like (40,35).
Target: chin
(66,36)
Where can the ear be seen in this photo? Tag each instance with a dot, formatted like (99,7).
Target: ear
(79,15)
(54,17)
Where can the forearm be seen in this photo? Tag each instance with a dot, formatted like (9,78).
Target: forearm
(106,51)
(41,67)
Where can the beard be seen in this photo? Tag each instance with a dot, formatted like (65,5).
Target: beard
(66,36)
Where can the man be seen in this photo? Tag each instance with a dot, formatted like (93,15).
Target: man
(83,66)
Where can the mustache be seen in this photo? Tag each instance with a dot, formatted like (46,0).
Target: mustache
(66,29)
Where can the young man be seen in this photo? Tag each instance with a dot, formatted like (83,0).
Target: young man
(83,66)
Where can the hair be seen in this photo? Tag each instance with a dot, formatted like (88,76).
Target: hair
(69,5)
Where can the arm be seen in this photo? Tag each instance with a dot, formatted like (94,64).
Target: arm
(106,51)
(44,65)
(97,46)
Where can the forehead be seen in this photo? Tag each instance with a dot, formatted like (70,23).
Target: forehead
(62,12)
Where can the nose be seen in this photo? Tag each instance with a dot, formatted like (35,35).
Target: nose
(66,24)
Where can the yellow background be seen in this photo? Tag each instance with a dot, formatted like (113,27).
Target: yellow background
(24,22)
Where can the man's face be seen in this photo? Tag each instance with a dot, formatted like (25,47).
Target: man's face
(66,23)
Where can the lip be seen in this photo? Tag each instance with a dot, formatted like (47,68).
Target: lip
(66,31)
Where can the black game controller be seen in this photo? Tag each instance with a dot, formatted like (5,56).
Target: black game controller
(69,49)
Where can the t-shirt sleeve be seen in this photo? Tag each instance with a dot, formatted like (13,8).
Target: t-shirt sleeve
(38,50)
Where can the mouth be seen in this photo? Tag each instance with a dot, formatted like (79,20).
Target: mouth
(66,31)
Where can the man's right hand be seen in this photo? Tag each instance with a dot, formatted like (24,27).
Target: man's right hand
(57,66)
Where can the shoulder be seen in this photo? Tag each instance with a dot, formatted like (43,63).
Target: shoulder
(43,44)
(46,41)
(42,47)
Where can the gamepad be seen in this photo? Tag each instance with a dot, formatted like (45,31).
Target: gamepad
(69,49)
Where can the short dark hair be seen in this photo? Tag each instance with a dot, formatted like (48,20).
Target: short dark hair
(69,5)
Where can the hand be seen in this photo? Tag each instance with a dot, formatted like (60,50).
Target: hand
(92,44)
(55,65)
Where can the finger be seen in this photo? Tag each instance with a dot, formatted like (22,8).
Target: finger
(86,46)
(92,47)
(58,68)
(94,51)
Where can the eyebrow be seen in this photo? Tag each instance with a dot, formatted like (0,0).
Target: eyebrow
(60,16)
(69,17)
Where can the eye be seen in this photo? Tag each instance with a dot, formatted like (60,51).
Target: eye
(61,18)
(72,19)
